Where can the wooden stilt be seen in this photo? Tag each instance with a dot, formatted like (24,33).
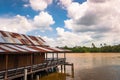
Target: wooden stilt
(64,68)
(37,77)
(6,66)
(25,74)
(72,68)
(53,56)
(31,56)
(61,68)
(31,76)
(46,56)
(57,57)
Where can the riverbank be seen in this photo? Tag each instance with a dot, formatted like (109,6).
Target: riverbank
(94,49)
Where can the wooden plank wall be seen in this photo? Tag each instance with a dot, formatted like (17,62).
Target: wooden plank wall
(2,62)
(21,60)
(38,58)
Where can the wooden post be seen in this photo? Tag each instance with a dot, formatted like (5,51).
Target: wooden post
(25,74)
(46,56)
(61,68)
(64,68)
(64,63)
(57,55)
(65,55)
(72,68)
(6,66)
(31,60)
(57,58)
(52,55)
(31,56)
(37,77)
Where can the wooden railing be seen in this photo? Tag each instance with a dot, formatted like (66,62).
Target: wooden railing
(48,63)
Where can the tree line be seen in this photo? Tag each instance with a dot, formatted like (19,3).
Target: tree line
(103,48)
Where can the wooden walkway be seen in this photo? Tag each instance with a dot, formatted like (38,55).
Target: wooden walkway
(19,72)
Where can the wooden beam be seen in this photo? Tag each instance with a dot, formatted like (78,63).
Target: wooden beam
(6,66)
(31,60)
(52,55)
(46,56)
(57,55)
(65,55)
(25,74)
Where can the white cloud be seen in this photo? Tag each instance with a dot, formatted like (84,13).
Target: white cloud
(43,21)
(39,5)
(65,3)
(50,41)
(15,24)
(67,38)
(71,39)
(99,18)
(21,24)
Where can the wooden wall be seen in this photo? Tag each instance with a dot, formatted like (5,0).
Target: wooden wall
(2,62)
(24,60)
(21,60)
(38,58)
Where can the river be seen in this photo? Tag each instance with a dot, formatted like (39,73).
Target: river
(90,66)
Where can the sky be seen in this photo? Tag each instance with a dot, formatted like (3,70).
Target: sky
(64,22)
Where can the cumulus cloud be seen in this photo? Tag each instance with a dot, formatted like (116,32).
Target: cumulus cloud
(50,41)
(39,5)
(98,1)
(71,39)
(67,38)
(99,18)
(65,3)
(42,22)
(16,24)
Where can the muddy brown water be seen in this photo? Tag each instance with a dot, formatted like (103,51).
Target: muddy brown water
(90,66)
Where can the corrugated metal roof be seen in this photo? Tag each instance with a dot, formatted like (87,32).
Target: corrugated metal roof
(2,50)
(20,43)
(9,48)
(15,38)
(57,49)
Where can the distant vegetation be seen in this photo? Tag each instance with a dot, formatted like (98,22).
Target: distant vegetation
(103,48)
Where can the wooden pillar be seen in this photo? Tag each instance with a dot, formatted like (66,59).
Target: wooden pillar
(37,77)
(64,68)
(72,68)
(61,68)
(25,74)
(57,56)
(46,56)
(64,63)
(31,60)
(65,55)
(6,66)
(52,55)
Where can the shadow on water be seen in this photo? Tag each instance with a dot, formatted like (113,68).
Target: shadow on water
(55,76)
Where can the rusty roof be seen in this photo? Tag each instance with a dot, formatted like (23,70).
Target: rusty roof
(20,43)
(15,38)
(8,49)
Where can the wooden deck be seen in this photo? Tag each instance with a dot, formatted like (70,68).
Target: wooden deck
(19,72)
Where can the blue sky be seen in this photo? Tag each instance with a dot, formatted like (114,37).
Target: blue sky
(63,22)
(12,8)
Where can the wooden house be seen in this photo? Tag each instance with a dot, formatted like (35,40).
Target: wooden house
(19,52)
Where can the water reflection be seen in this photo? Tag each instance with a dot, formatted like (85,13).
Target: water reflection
(98,66)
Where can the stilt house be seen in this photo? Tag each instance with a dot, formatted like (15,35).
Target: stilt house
(19,52)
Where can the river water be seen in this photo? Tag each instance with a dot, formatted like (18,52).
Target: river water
(90,66)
